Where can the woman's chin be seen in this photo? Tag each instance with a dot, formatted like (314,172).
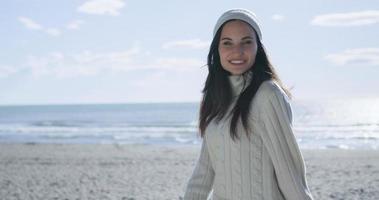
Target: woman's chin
(237,71)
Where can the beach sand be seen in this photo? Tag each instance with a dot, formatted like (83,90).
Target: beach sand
(126,172)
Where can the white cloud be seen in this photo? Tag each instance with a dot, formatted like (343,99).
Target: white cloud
(278,17)
(347,19)
(192,44)
(361,56)
(102,7)
(32,25)
(6,71)
(29,23)
(53,31)
(88,63)
(75,24)
(120,57)
(178,63)
(59,65)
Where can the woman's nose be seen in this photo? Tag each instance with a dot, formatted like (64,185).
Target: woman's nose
(238,49)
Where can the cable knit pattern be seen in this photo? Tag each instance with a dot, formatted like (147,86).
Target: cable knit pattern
(269,166)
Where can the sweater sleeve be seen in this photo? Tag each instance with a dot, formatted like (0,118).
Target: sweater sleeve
(275,122)
(201,181)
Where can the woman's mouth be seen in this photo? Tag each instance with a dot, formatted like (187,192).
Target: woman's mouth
(236,62)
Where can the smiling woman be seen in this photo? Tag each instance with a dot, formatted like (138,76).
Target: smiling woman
(249,150)
(237,47)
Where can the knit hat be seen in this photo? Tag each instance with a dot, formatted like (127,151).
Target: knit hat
(240,14)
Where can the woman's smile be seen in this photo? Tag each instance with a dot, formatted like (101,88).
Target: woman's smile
(237,62)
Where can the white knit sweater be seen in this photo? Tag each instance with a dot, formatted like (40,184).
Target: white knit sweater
(268,167)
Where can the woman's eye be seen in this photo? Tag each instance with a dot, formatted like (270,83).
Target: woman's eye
(227,43)
(248,42)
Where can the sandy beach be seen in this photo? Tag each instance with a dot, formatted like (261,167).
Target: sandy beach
(73,171)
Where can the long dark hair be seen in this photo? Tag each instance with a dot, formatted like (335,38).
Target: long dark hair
(217,92)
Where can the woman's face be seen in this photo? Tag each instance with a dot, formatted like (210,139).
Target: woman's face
(237,47)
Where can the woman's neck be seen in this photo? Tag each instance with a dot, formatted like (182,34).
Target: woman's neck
(239,83)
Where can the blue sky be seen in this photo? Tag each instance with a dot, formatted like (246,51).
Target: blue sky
(120,51)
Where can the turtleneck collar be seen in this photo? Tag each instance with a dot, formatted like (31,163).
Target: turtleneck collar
(240,82)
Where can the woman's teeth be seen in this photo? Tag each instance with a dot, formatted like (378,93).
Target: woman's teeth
(236,61)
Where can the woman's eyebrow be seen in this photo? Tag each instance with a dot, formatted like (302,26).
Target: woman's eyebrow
(247,37)
(226,38)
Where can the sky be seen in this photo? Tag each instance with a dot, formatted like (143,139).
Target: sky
(124,51)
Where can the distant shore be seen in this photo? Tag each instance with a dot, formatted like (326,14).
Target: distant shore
(80,171)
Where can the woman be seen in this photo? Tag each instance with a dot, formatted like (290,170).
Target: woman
(248,150)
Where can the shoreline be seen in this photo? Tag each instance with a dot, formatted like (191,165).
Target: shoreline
(137,171)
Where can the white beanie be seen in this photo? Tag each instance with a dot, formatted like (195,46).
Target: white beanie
(240,14)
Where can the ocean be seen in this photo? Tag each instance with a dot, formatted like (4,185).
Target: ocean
(342,124)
